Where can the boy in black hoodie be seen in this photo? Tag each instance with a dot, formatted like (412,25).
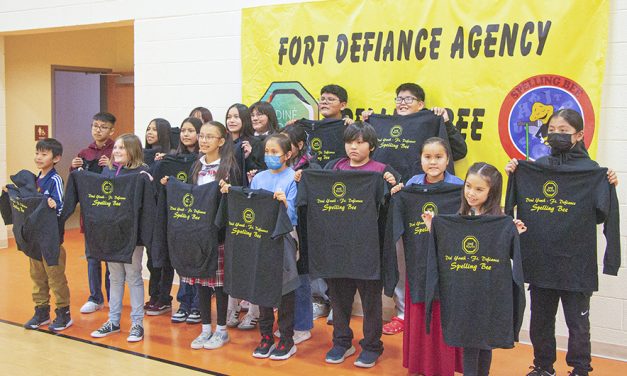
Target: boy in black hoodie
(567,151)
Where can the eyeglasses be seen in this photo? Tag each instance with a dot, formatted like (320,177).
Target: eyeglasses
(407,100)
(100,127)
(327,100)
(210,137)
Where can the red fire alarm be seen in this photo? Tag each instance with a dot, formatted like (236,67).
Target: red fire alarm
(41,132)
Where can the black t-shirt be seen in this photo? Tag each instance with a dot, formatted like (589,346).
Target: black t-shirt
(404,220)
(255,224)
(178,166)
(561,207)
(192,236)
(325,138)
(481,290)
(342,222)
(401,138)
(118,212)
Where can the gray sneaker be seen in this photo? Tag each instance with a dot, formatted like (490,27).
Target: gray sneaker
(232,318)
(217,340)
(201,340)
(320,309)
(106,329)
(136,334)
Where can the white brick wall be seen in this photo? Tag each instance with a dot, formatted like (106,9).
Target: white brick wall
(188,54)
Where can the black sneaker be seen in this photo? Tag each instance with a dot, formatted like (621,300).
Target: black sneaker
(194,317)
(149,303)
(367,359)
(577,373)
(538,371)
(136,334)
(283,351)
(158,309)
(41,317)
(62,321)
(179,316)
(106,329)
(265,347)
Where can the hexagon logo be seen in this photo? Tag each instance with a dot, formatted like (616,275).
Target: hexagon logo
(291,100)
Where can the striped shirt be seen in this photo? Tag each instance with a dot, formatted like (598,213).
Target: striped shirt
(51,185)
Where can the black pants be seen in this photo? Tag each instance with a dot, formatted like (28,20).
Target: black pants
(222,301)
(342,294)
(576,306)
(160,282)
(477,362)
(285,319)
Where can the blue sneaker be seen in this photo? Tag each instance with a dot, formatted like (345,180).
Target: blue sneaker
(338,353)
(367,359)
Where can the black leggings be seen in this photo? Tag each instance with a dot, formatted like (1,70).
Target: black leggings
(477,362)
(222,299)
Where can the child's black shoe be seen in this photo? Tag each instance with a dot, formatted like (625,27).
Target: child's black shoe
(62,321)
(41,317)
(283,351)
(265,347)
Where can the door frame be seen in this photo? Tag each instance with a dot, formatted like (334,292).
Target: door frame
(103,72)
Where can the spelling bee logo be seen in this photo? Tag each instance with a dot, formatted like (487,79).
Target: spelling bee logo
(188,200)
(248,215)
(107,187)
(550,189)
(470,245)
(181,176)
(396,131)
(525,113)
(316,144)
(430,206)
(338,189)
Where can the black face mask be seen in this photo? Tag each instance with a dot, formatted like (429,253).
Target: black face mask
(559,142)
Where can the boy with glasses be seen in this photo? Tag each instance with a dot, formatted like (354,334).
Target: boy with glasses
(93,158)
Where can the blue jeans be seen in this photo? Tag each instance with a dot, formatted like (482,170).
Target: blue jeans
(94,275)
(132,275)
(303,308)
(187,296)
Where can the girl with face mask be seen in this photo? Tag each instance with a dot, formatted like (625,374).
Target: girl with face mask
(566,139)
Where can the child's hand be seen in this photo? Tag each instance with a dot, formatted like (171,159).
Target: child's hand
(427,217)
(159,156)
(280,196)
(246,148)
(366,114)
(77,162)
(348,121)
(224,186)
(103,161)
(389,177)
(5,189)
(510,167)
(520,226)
(251,174)
(52,203)
(164,180)
(611,177)
(290,122)
(297,175)
(397,188)
(441,111)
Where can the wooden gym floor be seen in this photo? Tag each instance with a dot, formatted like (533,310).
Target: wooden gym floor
(165,349)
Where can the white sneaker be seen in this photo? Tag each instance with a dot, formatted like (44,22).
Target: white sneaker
(320,309)
(217,340)
(301,336)
(248,322)
(232,318)
(201,340)
(91,307)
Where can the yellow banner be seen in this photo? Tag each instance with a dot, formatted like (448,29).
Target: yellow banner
(502,68)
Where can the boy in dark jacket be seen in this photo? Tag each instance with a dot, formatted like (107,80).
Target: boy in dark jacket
(93,158)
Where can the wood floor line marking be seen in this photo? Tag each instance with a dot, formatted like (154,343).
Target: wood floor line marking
(125,351)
